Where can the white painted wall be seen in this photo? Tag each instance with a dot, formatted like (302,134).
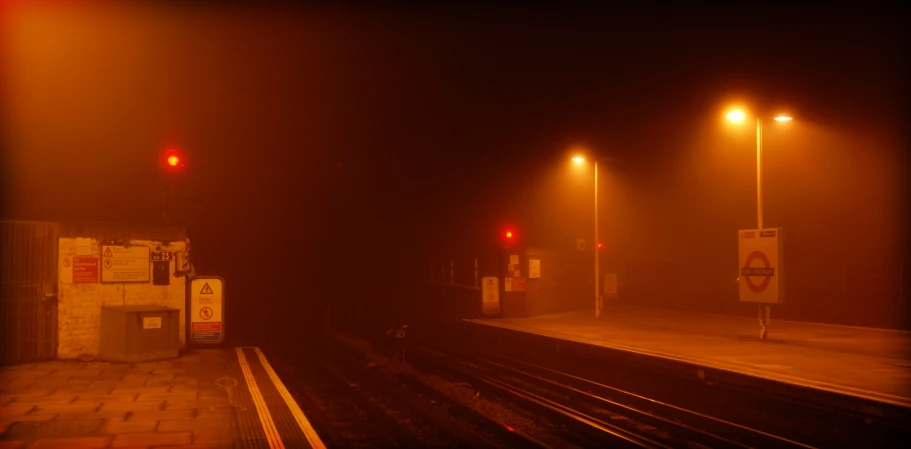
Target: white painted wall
(79,305)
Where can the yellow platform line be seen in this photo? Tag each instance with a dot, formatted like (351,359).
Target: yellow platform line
(265,418)
(302,421)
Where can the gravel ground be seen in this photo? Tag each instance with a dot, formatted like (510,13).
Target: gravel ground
(459,391)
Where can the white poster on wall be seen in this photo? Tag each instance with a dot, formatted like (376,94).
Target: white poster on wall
(83,246)
(125,264)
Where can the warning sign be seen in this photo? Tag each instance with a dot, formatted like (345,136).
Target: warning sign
(205,328)
(125,264)
(85,270)
(207,306)
(514,285)
(490,296)
(760,266)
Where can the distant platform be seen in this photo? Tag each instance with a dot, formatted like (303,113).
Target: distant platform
(874,364)
(212,398)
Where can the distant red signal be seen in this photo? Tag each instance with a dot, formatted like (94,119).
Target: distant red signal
(508,237)
(173,159)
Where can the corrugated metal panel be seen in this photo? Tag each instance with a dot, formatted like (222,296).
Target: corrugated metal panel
(28,291)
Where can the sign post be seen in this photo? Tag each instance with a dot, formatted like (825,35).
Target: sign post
(760,261)
(207,310)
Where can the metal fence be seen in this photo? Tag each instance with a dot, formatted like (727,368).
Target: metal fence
(28,291)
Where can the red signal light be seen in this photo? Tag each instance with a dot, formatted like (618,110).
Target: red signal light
(173,159)
(508,236)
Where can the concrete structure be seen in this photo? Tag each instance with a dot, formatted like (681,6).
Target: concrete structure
(80,299)
(862,362)
(565,282)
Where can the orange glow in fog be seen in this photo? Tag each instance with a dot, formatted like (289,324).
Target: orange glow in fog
(735,116)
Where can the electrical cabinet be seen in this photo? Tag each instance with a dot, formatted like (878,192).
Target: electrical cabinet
(139,333)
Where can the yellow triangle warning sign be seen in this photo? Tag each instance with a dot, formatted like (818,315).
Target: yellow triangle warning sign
(206,290)
(108,253)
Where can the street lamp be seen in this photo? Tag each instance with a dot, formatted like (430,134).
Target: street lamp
(580,160)
(738,116)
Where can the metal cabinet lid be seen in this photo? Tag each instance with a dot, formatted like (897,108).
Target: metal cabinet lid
(141,308)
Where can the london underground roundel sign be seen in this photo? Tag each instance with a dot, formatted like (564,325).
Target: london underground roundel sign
(760,265)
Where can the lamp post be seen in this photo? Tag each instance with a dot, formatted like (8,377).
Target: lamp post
(738,116)
(579,160)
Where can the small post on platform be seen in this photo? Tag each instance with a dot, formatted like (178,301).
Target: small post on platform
(764,316)
(451,271)
(476,272)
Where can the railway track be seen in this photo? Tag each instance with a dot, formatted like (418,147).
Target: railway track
(342,414)
(597,410)
(683,408)
(354,407)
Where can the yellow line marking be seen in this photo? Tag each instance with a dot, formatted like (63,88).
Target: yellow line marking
(265,418)
(309,432)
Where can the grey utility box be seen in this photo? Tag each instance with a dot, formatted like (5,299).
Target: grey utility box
(139,333)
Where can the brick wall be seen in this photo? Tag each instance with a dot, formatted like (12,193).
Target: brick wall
(79,304)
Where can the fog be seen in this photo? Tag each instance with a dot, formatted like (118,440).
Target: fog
(327,148)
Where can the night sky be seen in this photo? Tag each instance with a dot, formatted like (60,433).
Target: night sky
(328,147)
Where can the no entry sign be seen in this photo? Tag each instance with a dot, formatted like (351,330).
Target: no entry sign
(760,265)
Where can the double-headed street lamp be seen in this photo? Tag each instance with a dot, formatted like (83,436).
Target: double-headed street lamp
(738,116)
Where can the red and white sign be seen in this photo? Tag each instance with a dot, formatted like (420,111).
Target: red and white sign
(85,270)
(205,327)
(760,265)
(207,309)
(514,285)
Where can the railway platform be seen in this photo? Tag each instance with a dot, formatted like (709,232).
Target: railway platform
(864,363)
(207,398)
